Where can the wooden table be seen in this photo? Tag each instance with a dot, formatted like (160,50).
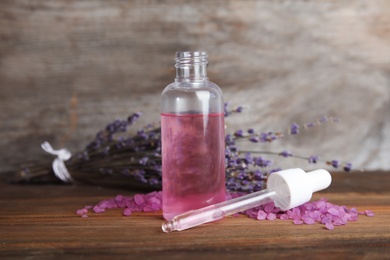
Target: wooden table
(39,222)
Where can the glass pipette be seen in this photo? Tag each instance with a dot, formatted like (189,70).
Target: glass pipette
(288,189)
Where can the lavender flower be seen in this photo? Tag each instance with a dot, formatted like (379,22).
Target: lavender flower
(131,119)
(335,163)
(323,119)
(286,154)
(239,133)
(309,125)
(228,111)
(239,109)
(313,159)
(294,129)
(259,161)
(144,160)
(347,167)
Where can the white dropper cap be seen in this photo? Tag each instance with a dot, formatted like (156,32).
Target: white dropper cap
(295,187)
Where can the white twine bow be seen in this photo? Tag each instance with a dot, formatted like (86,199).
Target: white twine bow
(59,167)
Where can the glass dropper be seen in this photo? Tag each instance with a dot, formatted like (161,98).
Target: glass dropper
(218,211)
(288,189)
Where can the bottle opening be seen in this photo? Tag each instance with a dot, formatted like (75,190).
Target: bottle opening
(187,58)
(191,66)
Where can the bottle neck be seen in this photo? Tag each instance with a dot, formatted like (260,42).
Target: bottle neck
(191,66)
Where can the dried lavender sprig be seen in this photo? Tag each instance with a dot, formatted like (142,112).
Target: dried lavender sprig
(228,111)
(106,135)
(248,173)
(294,129)
(346,166)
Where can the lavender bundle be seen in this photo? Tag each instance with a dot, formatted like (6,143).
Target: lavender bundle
(116,158)
(113,158)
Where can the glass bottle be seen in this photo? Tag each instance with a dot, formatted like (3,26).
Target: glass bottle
(192,135)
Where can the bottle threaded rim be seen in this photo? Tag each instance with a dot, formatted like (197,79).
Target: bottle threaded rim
(187,58)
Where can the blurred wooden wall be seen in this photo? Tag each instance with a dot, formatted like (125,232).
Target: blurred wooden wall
(67,68)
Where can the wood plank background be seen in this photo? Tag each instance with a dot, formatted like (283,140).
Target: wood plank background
(67,68)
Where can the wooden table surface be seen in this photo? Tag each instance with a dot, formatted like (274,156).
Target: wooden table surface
(39,222)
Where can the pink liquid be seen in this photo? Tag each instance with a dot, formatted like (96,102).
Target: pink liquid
(193,162)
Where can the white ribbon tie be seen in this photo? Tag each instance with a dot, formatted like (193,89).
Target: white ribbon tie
(59,167)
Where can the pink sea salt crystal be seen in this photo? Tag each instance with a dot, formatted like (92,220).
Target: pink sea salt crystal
(130,203)
(326,219)
(346,217)
(334,211)
(298,221)
(321,204)
(121,204)
(269,207)
(354,217)
(126,212)
(309,206)
(154,200)
(98,209)
(353,210)
(276,210)
(296,213)
(329,205)
(118,198)
(111,204)
(153,194)
(261,215)
(252,213)
(120,201)
(82,211)
(139,199)
(155,206)
(337,222)
(296,210)
(137,207)
(369,213)
(308,220)
(329,226)
(271,216)
(316,215)
(283,216)
(102,204)
(84,216)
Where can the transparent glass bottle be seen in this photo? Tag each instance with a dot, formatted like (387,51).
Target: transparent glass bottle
(192,135)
